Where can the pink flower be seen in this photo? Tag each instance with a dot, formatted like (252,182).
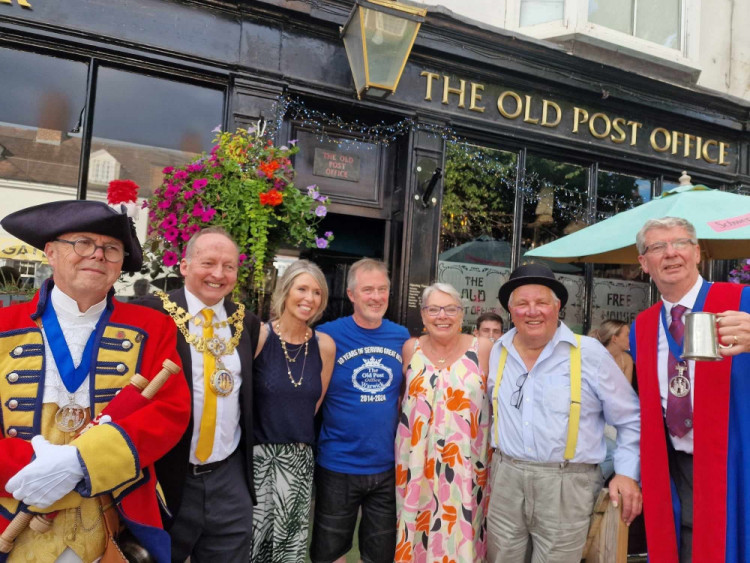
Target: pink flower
(171,192)
(198,209)
(164,204)
(328,234)
(208,215)
(185,219)
(189,194)
(169,221)
(195,167)
(243,257)
(171,234)
(200,184)
(180,175)
(218,176)
(170,258)
(168,170)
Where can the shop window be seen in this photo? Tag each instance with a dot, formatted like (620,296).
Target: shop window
(477,226)
(534,12)
(620,291)
(40,142)
(143,124)
(555,203)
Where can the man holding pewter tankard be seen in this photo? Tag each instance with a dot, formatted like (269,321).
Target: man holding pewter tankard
(695,418)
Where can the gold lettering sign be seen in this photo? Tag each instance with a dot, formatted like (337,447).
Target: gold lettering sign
(602,126)
(22,3)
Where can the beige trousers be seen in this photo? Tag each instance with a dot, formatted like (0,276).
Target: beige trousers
(544,508)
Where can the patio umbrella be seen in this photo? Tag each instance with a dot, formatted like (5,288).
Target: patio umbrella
(488,251)
(721,220)
(23,252)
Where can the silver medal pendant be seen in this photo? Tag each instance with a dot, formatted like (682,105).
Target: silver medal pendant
(679,386)
(222,382)
(70,418)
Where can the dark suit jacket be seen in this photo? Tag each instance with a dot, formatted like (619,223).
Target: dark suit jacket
(172,468)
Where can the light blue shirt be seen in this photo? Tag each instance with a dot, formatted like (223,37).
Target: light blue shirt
(538,430)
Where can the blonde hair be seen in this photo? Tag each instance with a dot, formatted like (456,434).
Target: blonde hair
(446,288)
(607,330)
(284,286)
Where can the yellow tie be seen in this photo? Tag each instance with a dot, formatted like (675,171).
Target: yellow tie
(208,420)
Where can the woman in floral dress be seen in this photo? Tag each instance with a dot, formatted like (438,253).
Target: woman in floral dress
(442,438)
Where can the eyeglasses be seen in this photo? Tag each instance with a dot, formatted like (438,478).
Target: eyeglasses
(661,246)
(517,397)
(450,310)
(86,247)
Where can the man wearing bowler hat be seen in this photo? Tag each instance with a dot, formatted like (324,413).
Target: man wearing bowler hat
(552,392)
(696,421)
(63,357)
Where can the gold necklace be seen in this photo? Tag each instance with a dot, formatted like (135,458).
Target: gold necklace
(216,345)
(288,360)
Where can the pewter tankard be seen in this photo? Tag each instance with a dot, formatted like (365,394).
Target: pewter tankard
(701,340)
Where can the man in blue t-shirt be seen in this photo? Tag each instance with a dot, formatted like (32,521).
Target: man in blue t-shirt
(355,462)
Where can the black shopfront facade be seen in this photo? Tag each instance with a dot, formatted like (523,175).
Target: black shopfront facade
(515,141)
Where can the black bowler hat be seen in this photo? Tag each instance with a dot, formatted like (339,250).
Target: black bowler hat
(532,274)
(41,224)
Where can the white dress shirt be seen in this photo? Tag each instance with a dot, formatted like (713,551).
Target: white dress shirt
(685,443)
(537,430)
(76,328)
(227,435)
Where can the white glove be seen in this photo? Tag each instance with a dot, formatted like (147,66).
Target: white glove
(52,475)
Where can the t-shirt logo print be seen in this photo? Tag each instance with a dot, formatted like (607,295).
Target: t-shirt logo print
(372,376)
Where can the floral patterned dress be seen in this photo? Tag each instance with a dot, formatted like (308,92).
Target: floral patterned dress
(442,480)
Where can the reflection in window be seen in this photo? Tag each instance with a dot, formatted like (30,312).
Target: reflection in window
(555,202)
(135,135)
(657,21)
(620,291)
(141,125)
(477,225)
(534,12)
(40,146)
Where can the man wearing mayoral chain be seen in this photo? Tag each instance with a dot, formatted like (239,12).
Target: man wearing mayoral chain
(63,357)
(208,477)
(695,414)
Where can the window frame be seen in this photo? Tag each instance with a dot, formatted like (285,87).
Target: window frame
(575,27)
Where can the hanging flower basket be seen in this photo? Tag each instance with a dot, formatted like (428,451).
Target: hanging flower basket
(245,185)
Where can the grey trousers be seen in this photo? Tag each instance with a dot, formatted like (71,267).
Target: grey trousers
(681,470)
(544,507)
(215,521)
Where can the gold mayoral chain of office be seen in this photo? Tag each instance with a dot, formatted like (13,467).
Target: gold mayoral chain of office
(216,346)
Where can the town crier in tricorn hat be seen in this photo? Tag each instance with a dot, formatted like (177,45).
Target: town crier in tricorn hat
(63,357)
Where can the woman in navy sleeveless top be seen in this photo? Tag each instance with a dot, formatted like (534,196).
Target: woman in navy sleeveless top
(291,372)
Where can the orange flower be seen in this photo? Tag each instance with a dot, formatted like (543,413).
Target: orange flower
(416,431)
(482,477)
(429,468)
(416,385)
(268,168)
(272,197)
(401,474)
(451,454)
(403,550)
(447,559)
(449,516)
(474,425)
(456,400)
(423,521)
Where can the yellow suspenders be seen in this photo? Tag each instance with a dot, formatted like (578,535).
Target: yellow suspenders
(575,396)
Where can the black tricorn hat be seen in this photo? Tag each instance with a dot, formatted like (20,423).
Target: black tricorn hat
(532,274)
(41,224)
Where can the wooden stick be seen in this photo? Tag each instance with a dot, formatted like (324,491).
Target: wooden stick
(21,520)
(16,526)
